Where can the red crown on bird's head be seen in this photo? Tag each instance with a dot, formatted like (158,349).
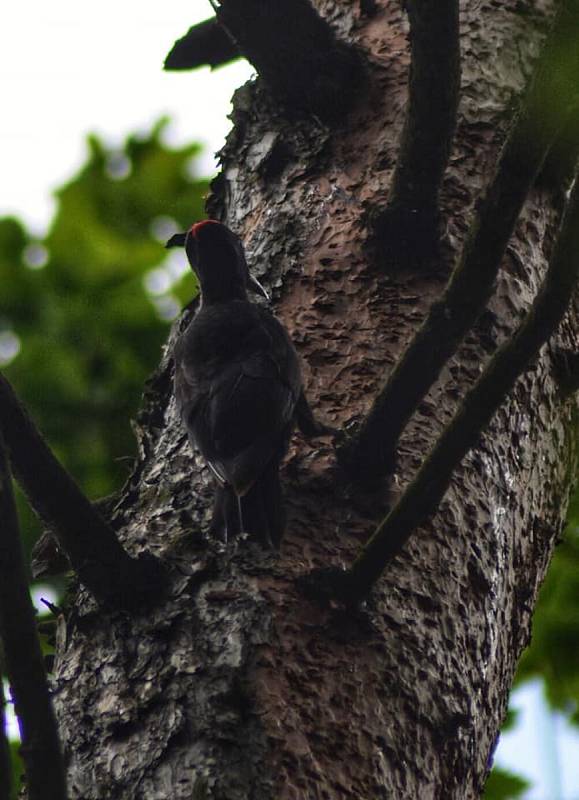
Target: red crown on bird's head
(191,235)
(196,227)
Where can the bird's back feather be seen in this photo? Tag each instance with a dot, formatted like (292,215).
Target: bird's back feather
(237,382)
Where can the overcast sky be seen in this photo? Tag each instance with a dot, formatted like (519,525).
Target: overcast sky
(69,68)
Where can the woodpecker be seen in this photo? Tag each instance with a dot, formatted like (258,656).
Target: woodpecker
(238,386)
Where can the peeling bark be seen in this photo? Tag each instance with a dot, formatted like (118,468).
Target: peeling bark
(238,686)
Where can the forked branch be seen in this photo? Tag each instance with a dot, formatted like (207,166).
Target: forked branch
(406,232)
(23,657)
(91,545)
(547,104)
(423,495)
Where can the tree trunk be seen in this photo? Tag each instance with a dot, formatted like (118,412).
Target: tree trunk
(238,686)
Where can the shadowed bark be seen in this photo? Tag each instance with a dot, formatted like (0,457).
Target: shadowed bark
(298,55)
(407,232)
(238,686)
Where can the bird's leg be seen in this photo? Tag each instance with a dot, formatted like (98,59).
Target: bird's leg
(218,526)
(308,424)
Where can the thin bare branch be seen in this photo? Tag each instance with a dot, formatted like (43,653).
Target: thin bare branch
(370,453)
(407,232)
(297,54)
(205,44)
(423,495)
(23,657)
(91,545)
(5,760)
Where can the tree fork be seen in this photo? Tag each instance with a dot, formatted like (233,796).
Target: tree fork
(296,52)
(423,495)
(369,455)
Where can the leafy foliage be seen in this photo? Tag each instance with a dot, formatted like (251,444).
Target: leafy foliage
(554,650)
(503,785)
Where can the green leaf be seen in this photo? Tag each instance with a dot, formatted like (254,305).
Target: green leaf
(554,651)
(504,785)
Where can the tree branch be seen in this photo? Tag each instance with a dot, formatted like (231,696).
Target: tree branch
(566,366)
(407,232)
(5,760)
(558,168)
(205,44)
(47,558)
(423,495)
(371,451)
(297,54)
(92,547)
(23,657)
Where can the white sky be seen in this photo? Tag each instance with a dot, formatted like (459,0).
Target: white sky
(68,68)
(543,747)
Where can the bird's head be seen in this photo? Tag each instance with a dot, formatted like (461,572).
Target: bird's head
(217,257)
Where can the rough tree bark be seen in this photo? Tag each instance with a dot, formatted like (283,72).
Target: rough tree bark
(238,686)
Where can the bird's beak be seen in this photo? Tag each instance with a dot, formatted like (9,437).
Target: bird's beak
(254,284)
(177,240)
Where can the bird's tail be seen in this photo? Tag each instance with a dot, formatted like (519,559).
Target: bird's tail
(225,522)
(259,512)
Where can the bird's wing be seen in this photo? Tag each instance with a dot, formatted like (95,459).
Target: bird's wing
(248,420)
(241,417)
(190,392)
